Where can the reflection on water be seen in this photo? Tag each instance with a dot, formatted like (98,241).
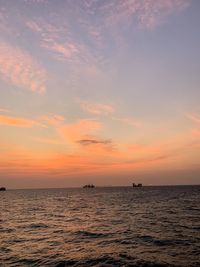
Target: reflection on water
(148,226)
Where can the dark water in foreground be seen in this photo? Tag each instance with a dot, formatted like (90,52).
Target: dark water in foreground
(149,226)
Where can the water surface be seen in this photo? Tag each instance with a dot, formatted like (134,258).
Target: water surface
(124,226)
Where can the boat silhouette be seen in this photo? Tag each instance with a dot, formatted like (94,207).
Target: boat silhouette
(137,185)
(89,186)
(2,189)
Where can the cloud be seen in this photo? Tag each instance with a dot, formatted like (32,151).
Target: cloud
(97,147)
(97,108)
(4,110)
(107,109)
(140,148)
(49,141)
(15,121)
(128,121)
(22,122)
(194,117)
(63,49)
(102,24)
(34,26)
(80,129)
(59,39)
(52,119)
(97,156)
(148,13)
(87,142)
(21,69)
(55,38)
(196,132)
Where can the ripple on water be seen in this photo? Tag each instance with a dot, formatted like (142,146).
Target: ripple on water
(90,234)
(151,227)
(37,225)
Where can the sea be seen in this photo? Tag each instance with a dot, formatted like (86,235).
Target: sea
(117,226)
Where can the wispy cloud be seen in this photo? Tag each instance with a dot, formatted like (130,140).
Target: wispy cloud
(196,132)
(4,110)
(128,121)
(52,119)
(15,121)
(194,117)
(94,159)
(21,69)
(87,142)
(55,38)
(50,141)
(108,109)
(147,13)
(65,50)
(97,108)
(59,40)
(97,146)
(101,23)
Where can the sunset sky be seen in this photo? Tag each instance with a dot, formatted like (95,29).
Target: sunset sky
(99,91)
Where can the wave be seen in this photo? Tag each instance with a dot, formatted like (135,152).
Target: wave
(105,260)
(38,225)
(90,234)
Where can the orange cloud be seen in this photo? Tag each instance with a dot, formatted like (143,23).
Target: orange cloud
(196,132)
(21,69)
(79,130)
(153,149)
(98,156)
(23,163)
(14,121)
(50,141)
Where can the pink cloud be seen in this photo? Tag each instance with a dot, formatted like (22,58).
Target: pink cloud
(58,40)
(153,12)
(21,69)
(34,26)
(149,13)
(66,50)
(55,39)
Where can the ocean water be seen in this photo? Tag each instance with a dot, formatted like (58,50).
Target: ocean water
(124,226)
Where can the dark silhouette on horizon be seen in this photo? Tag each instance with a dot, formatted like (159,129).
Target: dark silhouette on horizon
(137,185)
(2,189)
(89,186)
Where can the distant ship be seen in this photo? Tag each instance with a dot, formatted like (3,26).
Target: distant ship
(89,186)
(2,189)
(137,185)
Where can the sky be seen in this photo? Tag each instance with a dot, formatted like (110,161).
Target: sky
(99,91)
